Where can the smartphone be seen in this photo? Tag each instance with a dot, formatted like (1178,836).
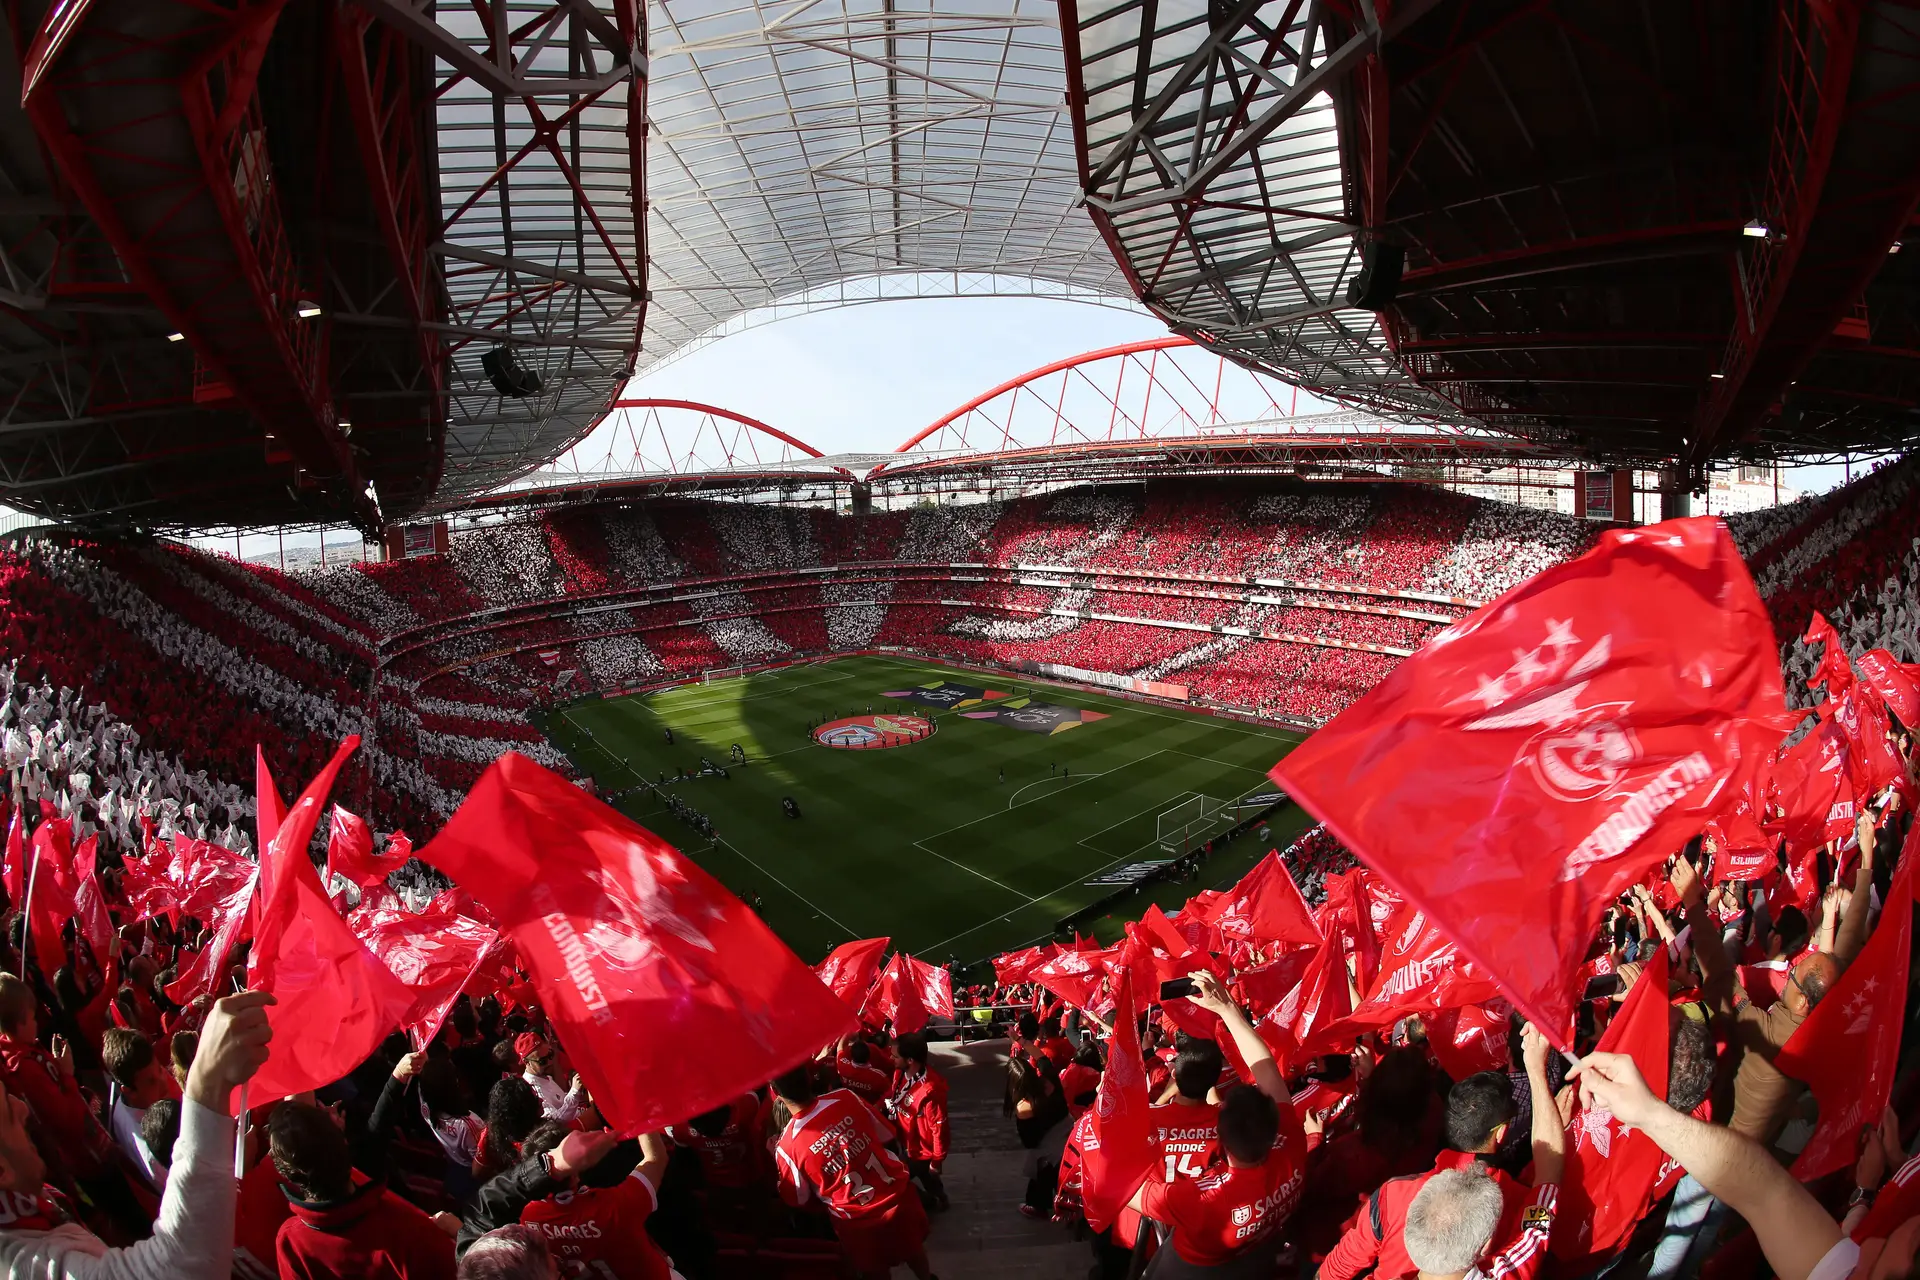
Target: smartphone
(1176,989)
(1602,986)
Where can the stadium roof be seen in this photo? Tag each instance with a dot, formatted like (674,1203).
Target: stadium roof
(1635,232)
(257,252)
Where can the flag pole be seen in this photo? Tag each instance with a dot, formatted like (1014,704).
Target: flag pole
(240,1138)
(26,909)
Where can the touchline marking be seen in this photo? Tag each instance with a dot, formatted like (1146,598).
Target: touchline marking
(784,885)
(1024,899)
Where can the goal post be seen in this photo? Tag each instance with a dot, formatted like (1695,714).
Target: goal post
(1188,823)
(716,674)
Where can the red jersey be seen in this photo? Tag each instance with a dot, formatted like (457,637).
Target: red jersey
(1182,1136)
(734,1157)
(837,1149)
(920,1113)
(601,1231)
(1223,1213)
(867,1079)
(1376,1238)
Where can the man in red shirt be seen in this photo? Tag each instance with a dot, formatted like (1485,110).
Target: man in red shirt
(835,1147)
(919,1109)
(1479,1109)
(1238,1206)
(1183,1130)
(728,1142)
(597,1225)
(859,1072)
(340,1230)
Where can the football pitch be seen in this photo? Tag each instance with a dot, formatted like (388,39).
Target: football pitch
(922,841)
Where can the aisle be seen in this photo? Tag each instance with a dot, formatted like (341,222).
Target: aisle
(984,1236)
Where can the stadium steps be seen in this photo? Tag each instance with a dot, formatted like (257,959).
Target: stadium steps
(984,1234)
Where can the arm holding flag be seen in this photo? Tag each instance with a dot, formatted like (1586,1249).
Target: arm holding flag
(1852,934)
(1795,1233)
(1549,1134)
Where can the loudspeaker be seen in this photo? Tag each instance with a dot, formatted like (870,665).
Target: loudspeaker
(510,377)
(1379,277)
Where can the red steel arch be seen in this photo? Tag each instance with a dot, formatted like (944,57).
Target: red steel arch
(696,406)
(1152,389)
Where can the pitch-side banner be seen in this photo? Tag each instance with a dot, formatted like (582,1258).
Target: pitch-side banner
(1109,680)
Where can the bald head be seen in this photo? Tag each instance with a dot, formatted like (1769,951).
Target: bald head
(1812,977)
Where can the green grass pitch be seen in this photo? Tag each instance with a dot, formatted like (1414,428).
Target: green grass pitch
(922,842)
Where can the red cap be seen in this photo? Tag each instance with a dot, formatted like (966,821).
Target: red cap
(526,1043)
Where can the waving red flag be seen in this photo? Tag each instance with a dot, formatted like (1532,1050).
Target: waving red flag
(433,955)
(1612,1169)
(637,952)
(1833,671)
(350,850)
(1846,1048)
(1265,906)
(51,887)
(1320,1001)
(1898,682)
(231,920)
(1421,971)
(1018,966)
(1076,976)
(1535,759)
(850,968)
(1471,1039)
(1115,1154)
(1812,783)
(911,992)
(16,867)
(1741,849)
(336,1001)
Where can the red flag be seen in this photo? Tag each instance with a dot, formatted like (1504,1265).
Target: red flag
(1266,985)
(1265,906)
(91,917)
(1612,1169)
(1740,849)
(50,892)
(1320,1001)
(1845,1050)
(1872,761)
(16,866)
(350,851)
(1421,971)
(1018,966)
(230,919)
(637,952)
(1897,682)
(1535,759)
(1076,976)
(910,992)
(336,1001)
(1470,1039)
(433,955)
(1115,1155)
(1812,783)
(1833,671)
(849,970)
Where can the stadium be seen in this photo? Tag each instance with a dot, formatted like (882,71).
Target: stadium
(474,810)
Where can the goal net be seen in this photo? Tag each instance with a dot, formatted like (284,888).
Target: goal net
(716,674)
(1188,823)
